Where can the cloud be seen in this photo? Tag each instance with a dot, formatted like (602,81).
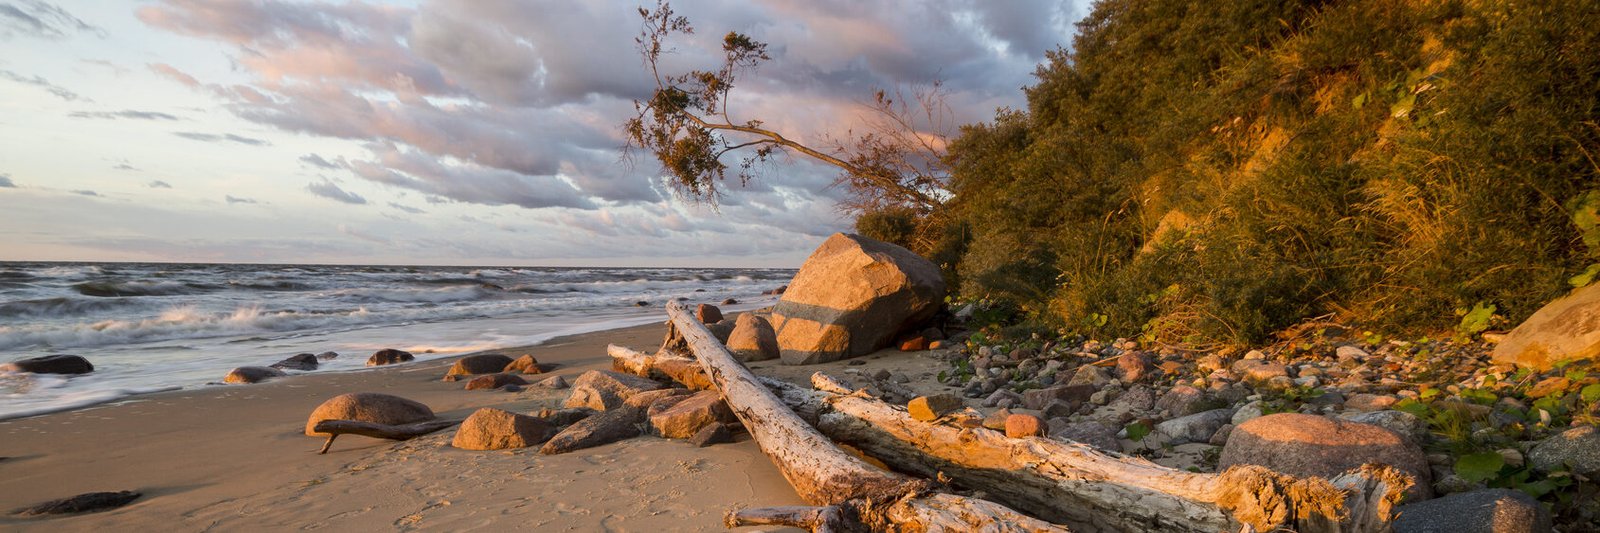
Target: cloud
(6,183)
(38,81)
(327,189)
(158,184)
(126,113)
(236,200)
(317,161)
(172,73)
(127,167)
(35,18)
(229,137)
(406,208)
(85,192)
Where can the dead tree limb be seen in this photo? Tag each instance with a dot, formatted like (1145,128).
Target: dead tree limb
(824,475)
(334,428)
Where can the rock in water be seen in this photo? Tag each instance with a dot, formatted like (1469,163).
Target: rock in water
(304,361)
(324,356)
(252,374)
(1479,511)
(1567,329)
(493,429)
(603,389)
(368,407)
(525,364)
(1307,445)
(707,314)
(82,503)
(604,428)
(688,416)
(753,339)
(50,364)
(487,363)
(851,297)
(494,381)
(389,356)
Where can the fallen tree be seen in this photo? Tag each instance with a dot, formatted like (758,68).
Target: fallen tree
(1067,482)
(334,428)
(848,493)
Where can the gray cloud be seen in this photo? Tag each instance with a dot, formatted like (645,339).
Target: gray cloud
(126,113)
(6,183)
(229,137)
(38,81)
(85,192)
(127,167)
(317,161)
(236,200)
(406,208)
(172,73)
(35,18)
(158,184)
(327,189)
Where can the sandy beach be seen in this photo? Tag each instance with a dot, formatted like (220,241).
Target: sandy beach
(234,458)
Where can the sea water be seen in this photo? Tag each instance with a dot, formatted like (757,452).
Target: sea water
(153,327)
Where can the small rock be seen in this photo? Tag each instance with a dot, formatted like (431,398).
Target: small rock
(525,365)
(304,361)
(1511,456)
(1023,425)
(711,434)
(1211,363)
(929,408)
(252,374)
(938,345)
(1351,352)
(324,356)
(1093,376)
(50,364)
(1479,511)
(1400,422)
(1198,427)
(603,428)
(1370,402)
(686,417)
(1549,386)
(997,420)
(494,429)
(82,503)
(1452,484)
(1220,438)
(752,339)
(488,363)
(730,301)
(1255,355)
(603,389)
(914,344)
(1259,371)
(1071,394)
(707,314)
(389,356)
(555,382)
(1097,434)
(1001,394)
(494,381)
(1183,400)
(1133,366)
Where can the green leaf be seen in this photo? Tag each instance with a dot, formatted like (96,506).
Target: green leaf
(1576,375)
(1415,408)
(1590,393)
(1137,431)
(1428,393)
(1479,467)
(1584,279)
(1478,319)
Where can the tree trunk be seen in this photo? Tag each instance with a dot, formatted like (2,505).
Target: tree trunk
(1077,484)
(826,476)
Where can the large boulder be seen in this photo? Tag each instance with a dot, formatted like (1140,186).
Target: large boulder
(50,364)
(252,374)
(304,361)
(753,339)
(689,415)
(604,428)
(1479,511)
(603,389)
(389,356)
(853,296)
(488,363)
(1567,329)
(1308,445)
(494,429)
(1576,449)
(368,407)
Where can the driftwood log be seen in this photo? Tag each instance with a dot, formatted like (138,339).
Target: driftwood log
(1074,483)
(334,428)
(848,493)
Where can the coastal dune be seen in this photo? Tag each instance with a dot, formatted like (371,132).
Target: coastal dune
(235,458)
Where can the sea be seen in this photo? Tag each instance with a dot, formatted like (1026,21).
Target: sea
(161,326)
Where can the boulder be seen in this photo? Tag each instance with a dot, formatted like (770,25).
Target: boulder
(493,429)
(83,503)
(389,356)
(688,416)
(252,374)
(928,408)
(487,363)
(525,365)
(1132,367)
(1479,511)
(603,389)
(753,339)
(1093,433)
(712,434)
(1307,445)
(564,417)
(1198,427)
(707,314)
(553,382)
(1567,329)
(495,381)
(1184,400)
(1576,450)
(304,361)
(852,297)
(50,364)
(368,407)
(723,330)
(603,428)
(646,399)
(1025,425)
(1073,395)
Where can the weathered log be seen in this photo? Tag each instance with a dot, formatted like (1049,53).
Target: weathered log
(1087,488)
(824,475)
(334,428)
(666,364)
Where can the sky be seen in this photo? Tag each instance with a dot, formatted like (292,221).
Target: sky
(451,132)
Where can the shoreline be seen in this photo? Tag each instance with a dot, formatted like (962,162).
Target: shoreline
(235,457)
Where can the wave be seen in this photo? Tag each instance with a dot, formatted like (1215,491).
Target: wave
(59,307)
(434,296)
(113,289)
